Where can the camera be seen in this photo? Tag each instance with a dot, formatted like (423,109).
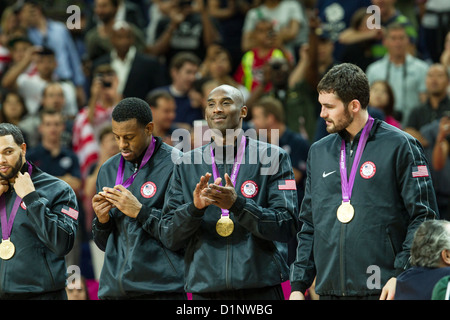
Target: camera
(105,83)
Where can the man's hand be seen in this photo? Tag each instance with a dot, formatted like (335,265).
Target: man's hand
(223,197)
(4,186)
(199,201)
(296,295)
(122,199)
(23,184)
(101,208)
(388,291)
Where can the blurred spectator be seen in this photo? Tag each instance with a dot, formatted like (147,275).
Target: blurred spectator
(438,102)
(335,17)
(50,156)
(9,23)
(389,14)
(13,111)
(98,42)
(405,73)
(250,72)
(183,68)
(435,24)
(164,112)
(46,32)
(357,40)
(382,98)
(288,20)
(132,67)
(189,27)
(157,10)
(218,66)
(316,58)
(430,258)
(230,16)
(31,86)
(53,98)
(21,55)
(437,135)
(95,116)
(269,121)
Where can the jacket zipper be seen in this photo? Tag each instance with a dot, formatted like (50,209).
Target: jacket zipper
(125,260)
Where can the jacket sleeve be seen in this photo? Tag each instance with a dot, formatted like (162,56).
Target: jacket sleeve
(417,193)
(101,231)
(180,219)
(303,269)
(54,219)
(277,221)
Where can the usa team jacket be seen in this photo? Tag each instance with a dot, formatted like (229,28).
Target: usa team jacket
(264,215)
(392,195)
(136,263)
(43,233)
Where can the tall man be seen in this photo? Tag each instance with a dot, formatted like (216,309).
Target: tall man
(131,187)
(368,188)
(235,230)
(39,220)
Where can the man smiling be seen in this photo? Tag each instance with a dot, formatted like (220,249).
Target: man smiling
(235,230)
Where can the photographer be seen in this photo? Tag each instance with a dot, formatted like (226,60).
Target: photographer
(95,116)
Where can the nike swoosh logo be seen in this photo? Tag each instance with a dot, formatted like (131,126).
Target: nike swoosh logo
(324,175)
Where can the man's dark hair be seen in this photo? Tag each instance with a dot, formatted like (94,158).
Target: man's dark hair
(348,82)
(183,57)
(7,129)
(152,97)
(133,108)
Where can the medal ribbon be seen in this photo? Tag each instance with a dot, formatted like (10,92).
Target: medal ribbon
(234,171)
(148,154)
(7,225)
(347,185)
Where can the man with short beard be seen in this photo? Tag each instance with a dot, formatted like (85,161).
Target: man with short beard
(368,188)
(39,220)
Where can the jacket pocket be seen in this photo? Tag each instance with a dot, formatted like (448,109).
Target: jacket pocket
(391,243)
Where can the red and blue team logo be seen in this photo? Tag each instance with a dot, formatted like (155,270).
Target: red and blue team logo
(368,170)
(249,189)
(148,189)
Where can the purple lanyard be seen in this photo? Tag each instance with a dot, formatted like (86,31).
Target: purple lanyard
(7,225)
(347,185)
(148,154)
(234,171)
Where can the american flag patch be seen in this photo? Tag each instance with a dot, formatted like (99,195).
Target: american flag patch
(287,185)
(420,171)
(70,212)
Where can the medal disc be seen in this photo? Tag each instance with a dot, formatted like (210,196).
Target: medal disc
(345,212)
(7,249)
(225,226)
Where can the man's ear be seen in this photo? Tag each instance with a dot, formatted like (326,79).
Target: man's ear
(445,255)
(354,106)
(24,149)
(244,111)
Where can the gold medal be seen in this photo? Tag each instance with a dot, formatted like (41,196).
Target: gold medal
(7,249)
(224,226)
(345,212)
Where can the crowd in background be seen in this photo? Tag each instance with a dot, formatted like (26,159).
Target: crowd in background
(60,83)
